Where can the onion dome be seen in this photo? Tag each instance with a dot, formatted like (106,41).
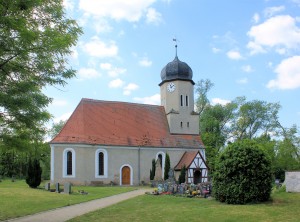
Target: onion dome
(176,70)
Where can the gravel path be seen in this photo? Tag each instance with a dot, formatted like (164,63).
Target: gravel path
(66,213)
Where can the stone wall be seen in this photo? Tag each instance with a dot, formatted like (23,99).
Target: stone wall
(292,181)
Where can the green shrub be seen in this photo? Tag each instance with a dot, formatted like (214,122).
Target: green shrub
(167,167)
(152,171)
(181,178)
(34,173)
(242,174)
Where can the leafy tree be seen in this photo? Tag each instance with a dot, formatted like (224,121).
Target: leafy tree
(181,178)
(152,171)
(202,88)
(215,128)
(56,128)
(34,173)
(167,166)
(243,174)
(36,38)
(255,118)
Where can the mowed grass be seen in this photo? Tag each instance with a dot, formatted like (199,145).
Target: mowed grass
(282,207)
(17,199)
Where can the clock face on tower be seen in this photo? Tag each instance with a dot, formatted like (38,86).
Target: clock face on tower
(171,87)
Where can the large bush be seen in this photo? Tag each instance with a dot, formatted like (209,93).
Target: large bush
(34,173)
(242,174)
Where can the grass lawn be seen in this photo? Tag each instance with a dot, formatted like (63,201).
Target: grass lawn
(283,207)
(17,199)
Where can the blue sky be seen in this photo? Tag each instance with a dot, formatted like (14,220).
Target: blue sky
(246,48)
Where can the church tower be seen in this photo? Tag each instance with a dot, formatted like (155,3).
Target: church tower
(177,96)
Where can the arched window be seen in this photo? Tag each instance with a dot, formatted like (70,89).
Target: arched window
(69,162)
(186,100)
(161,156)
(101,163)
(181,100)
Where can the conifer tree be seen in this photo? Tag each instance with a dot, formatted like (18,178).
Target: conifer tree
(167,166)
(34,173)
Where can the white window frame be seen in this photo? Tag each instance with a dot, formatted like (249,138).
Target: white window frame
(163,162)
(97,163)
(65,175)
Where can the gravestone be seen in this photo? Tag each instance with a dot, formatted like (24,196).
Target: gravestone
(67,188)
(57,188)
(158,171)
(166,187)
(181,189)
(47,186)
(159,188)
(292,181)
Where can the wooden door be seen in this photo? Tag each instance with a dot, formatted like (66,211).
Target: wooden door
(125,175)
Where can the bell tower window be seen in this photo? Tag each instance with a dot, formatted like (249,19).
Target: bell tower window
(186,100)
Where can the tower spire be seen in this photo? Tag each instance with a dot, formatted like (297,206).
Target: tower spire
(175,40)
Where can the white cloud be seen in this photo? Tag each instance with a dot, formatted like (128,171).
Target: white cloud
(145,62)
(247,68)
(223,102)
(68,4)
(276,32)
(102,26)
(297,2)
(256,18)
(154,100)
(105,66)
(63,117)
(153,16)
(111,70)
(74,53)
(216,50)
(131,10)
(115,71)
(129,88)
(59,102)
(234,54)
(242,81)
(116,83)
(88,73)
(288,74)
(270,11)
(98,48)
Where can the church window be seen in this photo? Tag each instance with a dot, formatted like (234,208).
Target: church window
(181,100)
(69,163)
(101,163)
(69,158)
(186,100)
(188,124)
(181,124)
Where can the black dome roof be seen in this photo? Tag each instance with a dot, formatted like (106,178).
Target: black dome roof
(176,70)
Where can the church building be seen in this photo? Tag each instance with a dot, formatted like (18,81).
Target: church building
(106,142)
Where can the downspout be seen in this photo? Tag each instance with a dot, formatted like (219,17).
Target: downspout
(139,165)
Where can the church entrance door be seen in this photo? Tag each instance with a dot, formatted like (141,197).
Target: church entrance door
(125,175)
(197,176)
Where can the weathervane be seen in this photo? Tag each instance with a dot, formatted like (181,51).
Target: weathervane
(175,40)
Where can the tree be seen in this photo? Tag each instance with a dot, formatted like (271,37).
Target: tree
(56,128)
(255,118)
(181,178)
(215,128)
(202,88)
(152,171)
(34,173)
(167,166)
(243,174)
(36,38)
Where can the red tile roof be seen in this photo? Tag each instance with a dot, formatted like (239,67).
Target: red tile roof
(186,159)
(122,124)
